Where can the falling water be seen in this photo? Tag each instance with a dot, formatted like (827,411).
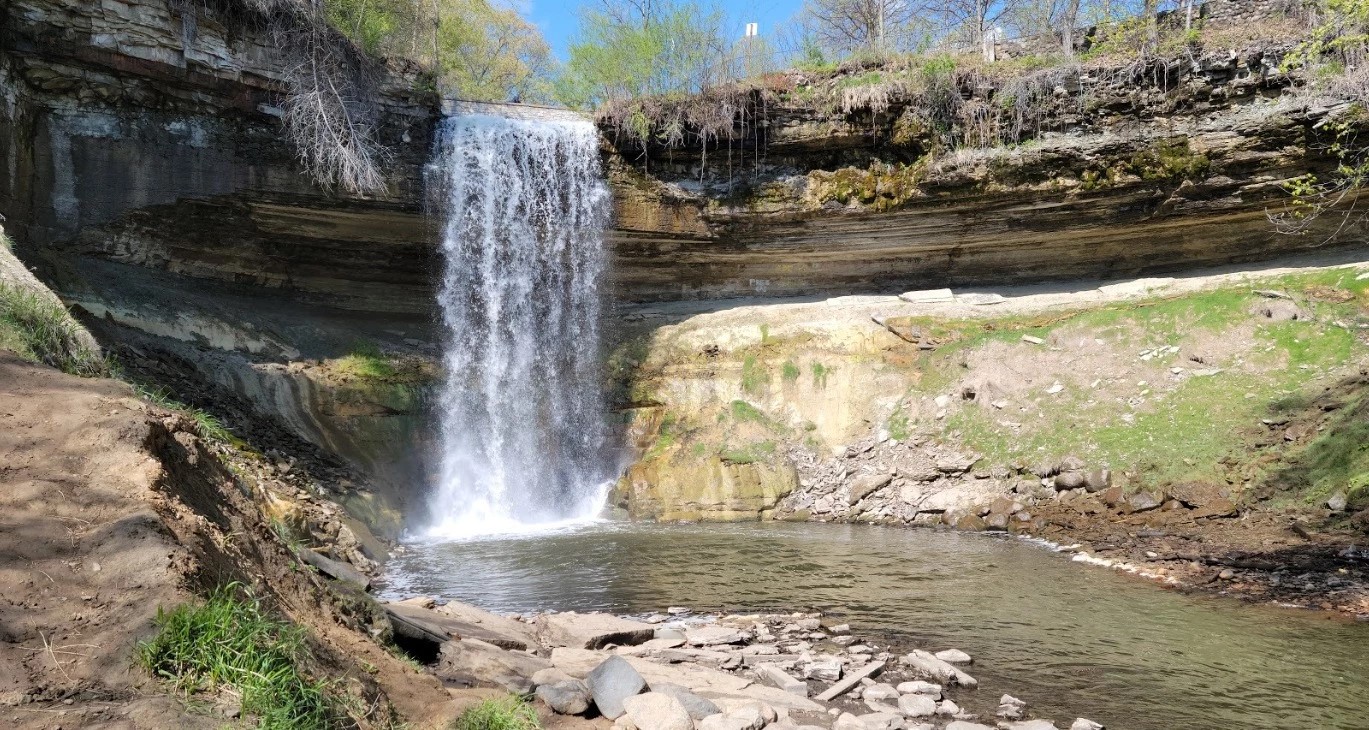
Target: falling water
(522,429)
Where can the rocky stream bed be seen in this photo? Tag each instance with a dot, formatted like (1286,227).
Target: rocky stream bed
(679,670)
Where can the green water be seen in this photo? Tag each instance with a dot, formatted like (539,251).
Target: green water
(1071,640)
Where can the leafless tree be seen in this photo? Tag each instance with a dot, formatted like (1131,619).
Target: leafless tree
(876,26)
(971,21)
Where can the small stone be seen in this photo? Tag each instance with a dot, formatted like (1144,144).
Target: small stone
(1337,502)
(1085,724)
(1029,339)
(1227,574)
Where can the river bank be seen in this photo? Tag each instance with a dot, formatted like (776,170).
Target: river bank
(1211,420)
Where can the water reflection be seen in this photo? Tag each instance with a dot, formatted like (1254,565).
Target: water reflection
(1070,640)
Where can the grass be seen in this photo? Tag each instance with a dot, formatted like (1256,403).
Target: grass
(41,330)
(506,713)
(230,644)
(365,361)
(206,424)
(789,371)
(748,454)
(754,376)
(1181,433)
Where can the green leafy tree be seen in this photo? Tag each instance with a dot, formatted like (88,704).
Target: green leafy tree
(628,50)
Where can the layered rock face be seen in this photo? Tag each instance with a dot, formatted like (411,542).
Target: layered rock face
(147,178)
(1134,171)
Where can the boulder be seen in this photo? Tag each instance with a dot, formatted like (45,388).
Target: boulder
(482,663)
(928,665)
(613,681)
(863,486)
(656,711)
(1085,724)
(1337,502)
(697,707)
(755,715)
(917,706)
(1070,480)
(592,630)
(477,623)
(881,692)
(954,656)
(570,697)
(776,677)
(1098,480)
(827,670)
(1029,725)
(970,523)
(715,635)
(1143,501)
(722,722)
(1070,463)
(948,708)
(918,687)
(335,569)
(963,725)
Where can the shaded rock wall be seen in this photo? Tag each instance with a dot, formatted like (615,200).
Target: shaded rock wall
(147,179)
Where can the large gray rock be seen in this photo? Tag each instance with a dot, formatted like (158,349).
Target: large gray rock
(917,706)
(482,663)
(477,623)
(592,630)
(613,681)
(657,711)
(697,707)
(569,697)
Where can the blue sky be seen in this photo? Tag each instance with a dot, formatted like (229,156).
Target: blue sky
(558,19)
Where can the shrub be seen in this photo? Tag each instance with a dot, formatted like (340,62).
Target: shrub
(230,643)
(508,713)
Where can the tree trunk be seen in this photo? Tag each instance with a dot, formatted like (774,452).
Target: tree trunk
(1152,26)
(1071,20)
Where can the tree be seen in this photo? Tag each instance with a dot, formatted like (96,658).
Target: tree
(875,27)
(642,49)
(487,53)
(972,21)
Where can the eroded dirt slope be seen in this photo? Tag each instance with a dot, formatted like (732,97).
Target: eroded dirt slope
(111,508)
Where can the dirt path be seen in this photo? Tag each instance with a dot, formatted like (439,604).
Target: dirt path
(84,559)
(111,509)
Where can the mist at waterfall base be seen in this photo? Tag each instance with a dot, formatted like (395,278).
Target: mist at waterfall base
(522,426)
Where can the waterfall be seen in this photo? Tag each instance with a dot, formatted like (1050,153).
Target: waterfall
(522,427)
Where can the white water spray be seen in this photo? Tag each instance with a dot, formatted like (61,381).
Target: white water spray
(522,420)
